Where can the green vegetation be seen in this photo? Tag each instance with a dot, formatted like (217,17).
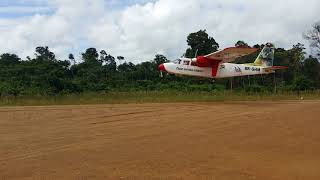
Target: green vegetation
(155,97)
(98,78)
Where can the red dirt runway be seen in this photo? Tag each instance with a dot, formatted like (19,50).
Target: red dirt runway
(244,140)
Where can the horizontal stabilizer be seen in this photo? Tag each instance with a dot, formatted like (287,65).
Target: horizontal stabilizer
(276,67)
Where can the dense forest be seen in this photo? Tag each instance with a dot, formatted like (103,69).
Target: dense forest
(98,71)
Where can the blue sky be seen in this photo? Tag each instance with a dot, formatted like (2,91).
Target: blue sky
(23,8)
(20,8)
(139,29)
(43,6)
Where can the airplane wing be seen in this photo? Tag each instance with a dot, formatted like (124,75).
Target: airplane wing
(230,54)
(226,55)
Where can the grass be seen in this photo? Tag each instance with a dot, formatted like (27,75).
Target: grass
(153,97)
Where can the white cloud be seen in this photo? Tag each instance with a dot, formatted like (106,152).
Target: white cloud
(141,30)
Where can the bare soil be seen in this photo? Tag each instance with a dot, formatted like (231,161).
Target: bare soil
(243,140)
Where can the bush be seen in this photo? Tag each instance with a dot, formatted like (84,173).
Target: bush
(254,88)
(7,89)
(302,83)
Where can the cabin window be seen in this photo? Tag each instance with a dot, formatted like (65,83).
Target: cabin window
(193,63)
(186,62)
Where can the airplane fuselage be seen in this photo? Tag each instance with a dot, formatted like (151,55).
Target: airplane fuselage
(223,70)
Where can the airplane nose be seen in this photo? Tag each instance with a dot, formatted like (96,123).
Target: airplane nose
(162,68)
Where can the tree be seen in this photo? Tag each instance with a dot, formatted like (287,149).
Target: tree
(72,59)
(302,83)
(120,59)
(160,59)
(91,55)
(241,44)
(44,53)
(43,74)
(311,69)
(314,37)
(108,60)
(145,71)
(296,55)
(10,74)
(9,59)
(257,46)
(103,56)
(126,67)
(200,44)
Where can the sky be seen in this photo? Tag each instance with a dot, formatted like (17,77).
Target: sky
(139,29)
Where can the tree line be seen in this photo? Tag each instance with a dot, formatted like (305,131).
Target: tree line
(99,71)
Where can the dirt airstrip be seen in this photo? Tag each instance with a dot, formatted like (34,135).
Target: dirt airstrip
(243,140)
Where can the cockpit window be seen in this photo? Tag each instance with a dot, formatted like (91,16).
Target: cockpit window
(177,61)
(186,62)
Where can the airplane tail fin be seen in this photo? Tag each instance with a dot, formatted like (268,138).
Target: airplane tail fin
(266,56)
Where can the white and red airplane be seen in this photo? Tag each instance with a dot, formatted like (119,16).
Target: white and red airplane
(217,65)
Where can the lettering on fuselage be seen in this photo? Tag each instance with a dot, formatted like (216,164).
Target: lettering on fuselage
(252,69)
(189,69)
(237,69)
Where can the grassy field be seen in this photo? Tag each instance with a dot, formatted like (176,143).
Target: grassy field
(153,97)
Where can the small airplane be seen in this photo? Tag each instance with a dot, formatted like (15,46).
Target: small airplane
(217,65)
